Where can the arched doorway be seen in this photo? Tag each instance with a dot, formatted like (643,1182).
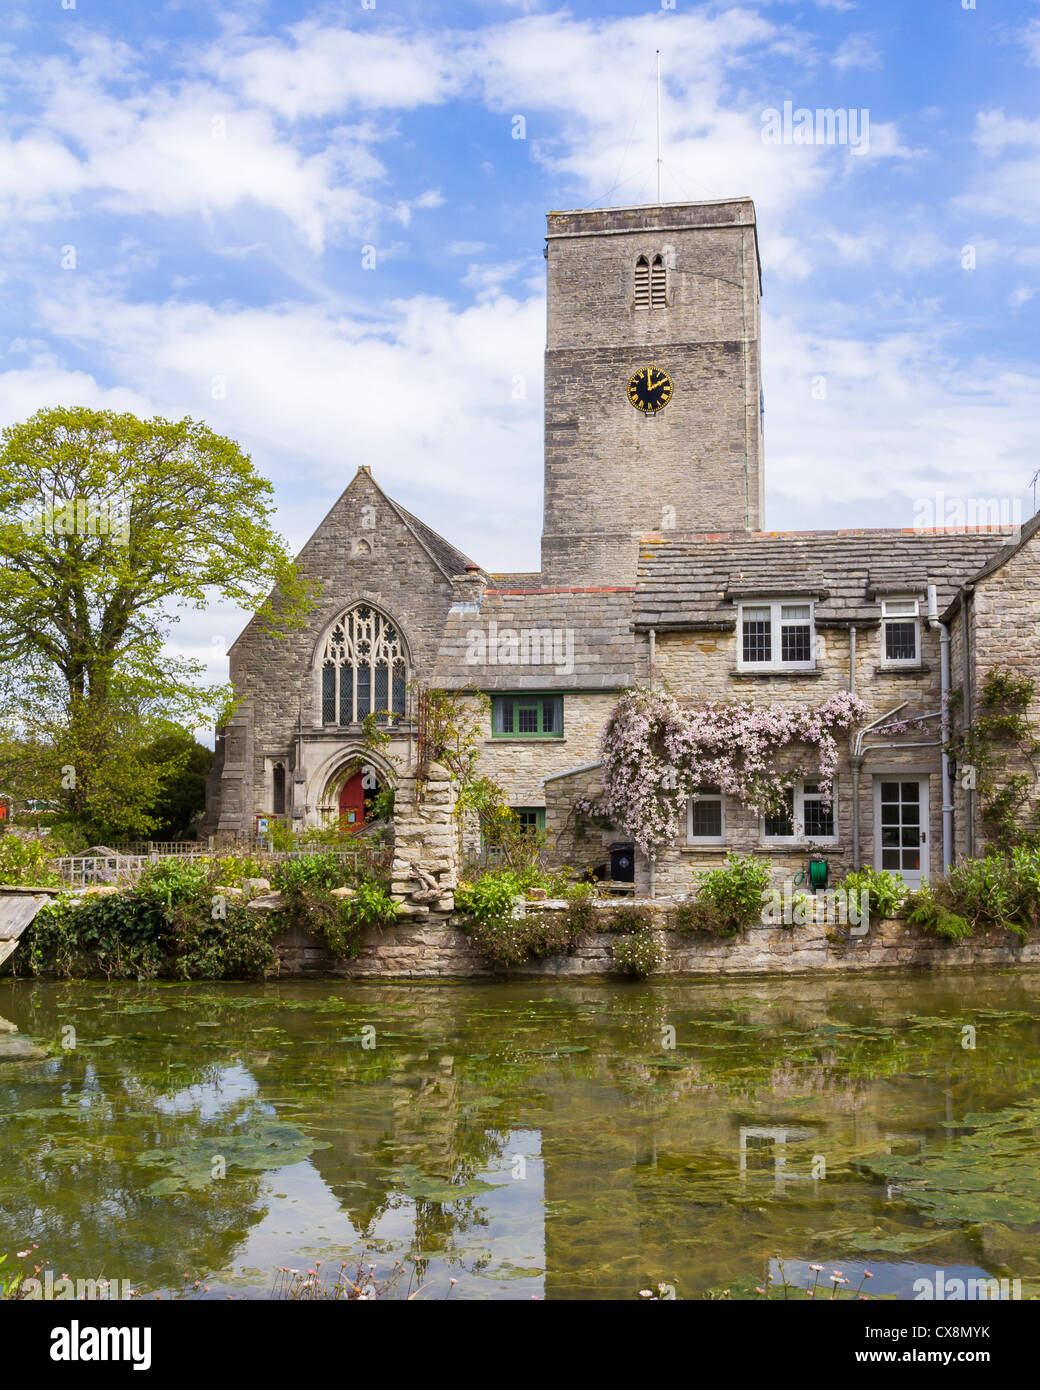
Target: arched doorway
(352,802)
(356,796)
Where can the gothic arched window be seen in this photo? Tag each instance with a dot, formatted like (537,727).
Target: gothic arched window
(642,283)
(657,283)
(278,789)
(364,668)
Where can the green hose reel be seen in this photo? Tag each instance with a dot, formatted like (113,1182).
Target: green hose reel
(818,871)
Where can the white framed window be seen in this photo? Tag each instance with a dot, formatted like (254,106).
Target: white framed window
(803,816)
(901,632)
(706,817)
(777,636)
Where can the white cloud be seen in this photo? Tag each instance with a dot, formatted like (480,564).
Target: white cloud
(901,419)
(174,149)
(466,248)
(995,132)
(1020,295)
(1008,187)
(885,142)
(437,401)
(320,70)
(857,51)
(1031,39)
(593,80)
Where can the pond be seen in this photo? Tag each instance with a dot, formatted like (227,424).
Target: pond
(547,1139)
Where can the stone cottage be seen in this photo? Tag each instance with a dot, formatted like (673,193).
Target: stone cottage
(655,571)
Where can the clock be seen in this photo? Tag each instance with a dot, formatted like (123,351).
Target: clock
(650,390)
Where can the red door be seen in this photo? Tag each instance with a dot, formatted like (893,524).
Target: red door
(352,803)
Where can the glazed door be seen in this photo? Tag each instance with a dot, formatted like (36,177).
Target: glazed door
(901,827)
(352,803)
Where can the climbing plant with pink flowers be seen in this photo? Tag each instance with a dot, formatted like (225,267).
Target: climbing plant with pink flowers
(658,753)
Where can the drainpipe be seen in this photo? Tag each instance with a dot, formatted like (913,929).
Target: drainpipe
(944,686)
(857,763)
(966,714)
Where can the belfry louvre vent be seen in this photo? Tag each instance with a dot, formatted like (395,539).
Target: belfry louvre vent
(657,284)
(642,283)
(651,283)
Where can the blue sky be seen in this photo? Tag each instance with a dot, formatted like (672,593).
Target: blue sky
(219,172)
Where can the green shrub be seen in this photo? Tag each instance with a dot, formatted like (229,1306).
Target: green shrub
(233,947)
(494,927)
(25,862)
(325,871)
(169,923)
(997,892)
(886,892)
(174,882)
(115,935)
(371,906)
(685,918)
(505,937)
(581,916)
(637,956)
(729,900)
(925,909)
(629,918)
(311,905)
(232,870)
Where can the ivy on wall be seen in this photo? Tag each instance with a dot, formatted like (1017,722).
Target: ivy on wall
(996,755)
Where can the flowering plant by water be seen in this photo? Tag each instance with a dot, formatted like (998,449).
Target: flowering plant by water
(657,753)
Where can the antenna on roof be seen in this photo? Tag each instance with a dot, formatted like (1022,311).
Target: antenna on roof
(658,125)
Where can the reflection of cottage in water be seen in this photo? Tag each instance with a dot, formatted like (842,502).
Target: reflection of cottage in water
(763,1149)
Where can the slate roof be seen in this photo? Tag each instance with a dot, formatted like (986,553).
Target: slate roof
(1002,556)
(592,630)
(446,556)
(696,580)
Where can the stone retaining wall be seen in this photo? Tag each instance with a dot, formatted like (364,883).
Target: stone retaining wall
(439,949)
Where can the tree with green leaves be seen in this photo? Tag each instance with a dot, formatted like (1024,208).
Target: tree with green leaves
(109,525)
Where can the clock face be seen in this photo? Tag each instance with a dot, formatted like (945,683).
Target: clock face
(650,390)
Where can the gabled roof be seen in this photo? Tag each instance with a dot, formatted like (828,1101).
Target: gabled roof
(1003,555)
(448,559)
(690,581)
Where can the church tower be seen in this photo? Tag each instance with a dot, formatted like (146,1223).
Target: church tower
(652,382)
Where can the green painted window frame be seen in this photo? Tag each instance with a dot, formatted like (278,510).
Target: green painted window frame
(506,709)
(538,812)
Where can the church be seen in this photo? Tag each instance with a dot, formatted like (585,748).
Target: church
(655,571)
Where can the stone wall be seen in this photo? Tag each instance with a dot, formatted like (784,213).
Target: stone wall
(431,950)
(425,869)
(1004,634)
(698,463)
(705,662)
(362,552)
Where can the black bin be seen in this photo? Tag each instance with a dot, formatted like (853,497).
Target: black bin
(623,863)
